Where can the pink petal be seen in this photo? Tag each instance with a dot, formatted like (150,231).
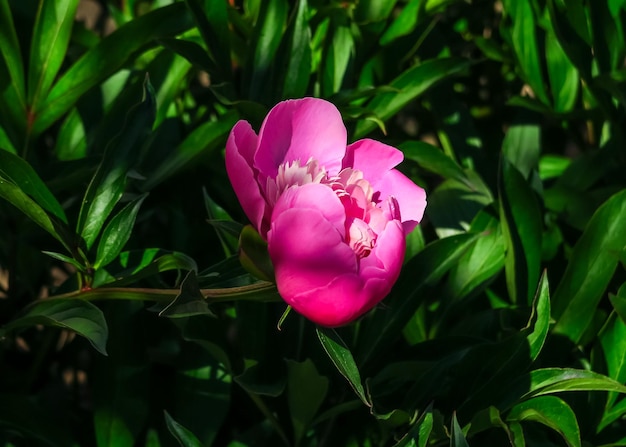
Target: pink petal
(313,196)
(373,158)
(410,197)
(301,129)
(240,149)
(340,302)
(307,252)
(385,260)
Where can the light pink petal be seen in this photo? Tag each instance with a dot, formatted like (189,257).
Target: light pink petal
(410,197)
(240,149)
(373,158)
(307,252)
(301,129)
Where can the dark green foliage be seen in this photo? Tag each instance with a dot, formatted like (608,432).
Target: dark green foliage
(131,313)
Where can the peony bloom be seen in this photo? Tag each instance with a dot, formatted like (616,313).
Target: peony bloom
(334,215)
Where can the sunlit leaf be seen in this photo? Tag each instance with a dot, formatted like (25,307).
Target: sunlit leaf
(107,57)
(590,269)
(552,412)
(341,356)
(76,315)
(109,181)
(522,229)
(184,437)
(410,84)
(117,232)
(51,36)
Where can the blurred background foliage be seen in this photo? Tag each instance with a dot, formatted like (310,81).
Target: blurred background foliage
(126,318)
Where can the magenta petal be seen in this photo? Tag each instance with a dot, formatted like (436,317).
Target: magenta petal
(410,197)
(340,302)
(307,252)
(385,261)
(373,158)
(299,130)
(240,149)
(313,196)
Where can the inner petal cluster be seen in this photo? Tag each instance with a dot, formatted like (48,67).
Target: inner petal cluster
(365,220)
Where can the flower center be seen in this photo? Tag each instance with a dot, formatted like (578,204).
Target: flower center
(293,174)
(364,219)
(356,195)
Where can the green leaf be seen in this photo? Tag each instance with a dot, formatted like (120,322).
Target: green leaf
(553,166)
(590,269)
(524,43)
(522,229)
(201,142)
(454,204)
(539,323)
(51,36)
(306,391)
(184,437)
(117,232)
(212,20)
(10,50)
(341,356)
(373,10)
(253,254)
(298,53)
(16,170)
(227,230)
(563,76)
(433,159)
(266,39)
(71,141)
(339,50)
(541,382)
(108,57)
(189,301)
(405,22)
(410,84)
(481,261)
(420,431)
(120,401)
(488,418)
(425,270)
(109,181)
(75,315)
(551,412)
(14,195)
(522,146)
(139,264)
(61,257)
(613,342)
(570,22)
(191,51)
(457,438)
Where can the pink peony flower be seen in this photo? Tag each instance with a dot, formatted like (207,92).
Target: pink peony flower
(334,216)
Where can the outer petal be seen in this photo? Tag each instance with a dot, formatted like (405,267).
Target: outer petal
(373,158)
(240,148)
(410,197)
(339,302)
(306,243)
(385,260)
(299,130)
(316,271)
